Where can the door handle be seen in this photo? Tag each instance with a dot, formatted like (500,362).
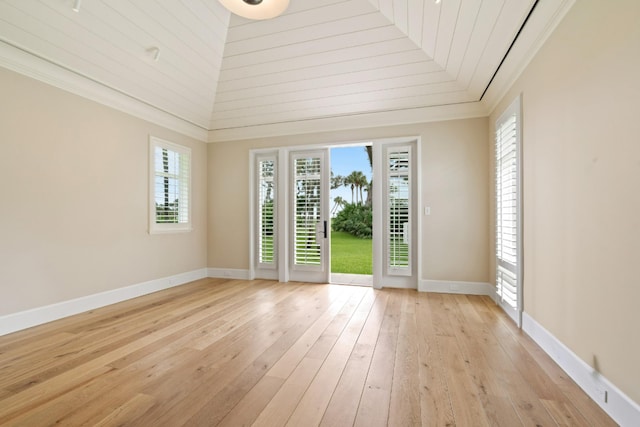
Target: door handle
(325,229)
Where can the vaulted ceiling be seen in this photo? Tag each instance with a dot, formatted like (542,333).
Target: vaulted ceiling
(195,63)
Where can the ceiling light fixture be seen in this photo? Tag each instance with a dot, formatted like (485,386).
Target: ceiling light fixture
(256,9)
(76,5)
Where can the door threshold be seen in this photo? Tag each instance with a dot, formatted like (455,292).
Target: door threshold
(351,279)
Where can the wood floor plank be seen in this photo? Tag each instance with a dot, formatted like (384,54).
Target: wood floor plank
(567,391)
(95,341)
(343,406)
(404,408)
(373,409)
(435,401)
(564,415)
(470,331)
(280,408)
(241,314)
(288,362)
(325,342)
(313,403)
(439,312)
(237,352)
(34,334)
(226,399)
(525,400)
(217,369)
(467,409)
(128,411)
(97,400)
(253,403)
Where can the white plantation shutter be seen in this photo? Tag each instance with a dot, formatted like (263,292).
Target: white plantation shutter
(170,183)
(267,211)
(398,206)
(508,264)
(307,211)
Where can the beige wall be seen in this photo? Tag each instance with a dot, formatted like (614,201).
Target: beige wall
(454,184)
(74,186)
(581,181)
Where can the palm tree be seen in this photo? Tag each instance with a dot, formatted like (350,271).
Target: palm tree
(350,181)
(337,181)
(360,181)
(369,150)
(338,203)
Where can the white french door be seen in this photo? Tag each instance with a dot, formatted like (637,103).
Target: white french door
(291,231)
(309,231)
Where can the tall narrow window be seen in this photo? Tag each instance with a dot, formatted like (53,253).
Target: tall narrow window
(398,164)
(508,264)
(267,211)
(170,183)
(307,210)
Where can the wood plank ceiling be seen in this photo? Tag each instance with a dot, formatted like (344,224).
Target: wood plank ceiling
(322,58)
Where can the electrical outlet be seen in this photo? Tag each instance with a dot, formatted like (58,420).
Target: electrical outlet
(602,393)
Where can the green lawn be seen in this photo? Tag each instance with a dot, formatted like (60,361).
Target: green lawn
(350,254)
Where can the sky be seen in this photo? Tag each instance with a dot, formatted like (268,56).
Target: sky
(345,160)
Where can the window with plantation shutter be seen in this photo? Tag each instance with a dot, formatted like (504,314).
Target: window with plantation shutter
(307,211)
(267,211)
(508,264)
(398,206)
(170,181)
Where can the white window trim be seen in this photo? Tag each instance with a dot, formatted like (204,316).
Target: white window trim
(259,158)
(515,108)
(393,270)
(382,275)
(160,228)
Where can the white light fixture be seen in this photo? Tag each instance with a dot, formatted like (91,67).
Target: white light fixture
(256,9)
(76,5)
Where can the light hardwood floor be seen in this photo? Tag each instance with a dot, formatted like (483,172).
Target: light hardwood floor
(234,353)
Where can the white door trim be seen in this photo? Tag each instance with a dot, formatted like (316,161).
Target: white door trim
(283,220)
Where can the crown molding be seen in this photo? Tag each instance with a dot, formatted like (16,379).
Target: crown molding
(353,121)
(25,63)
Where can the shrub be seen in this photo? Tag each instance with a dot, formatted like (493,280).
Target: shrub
(355,219)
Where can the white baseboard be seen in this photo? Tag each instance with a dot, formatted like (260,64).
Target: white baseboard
(37,316)
(450,287)
(228,273)
(618,405)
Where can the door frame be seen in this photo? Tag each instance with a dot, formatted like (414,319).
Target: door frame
(283,221)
